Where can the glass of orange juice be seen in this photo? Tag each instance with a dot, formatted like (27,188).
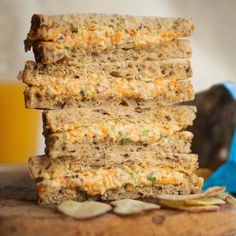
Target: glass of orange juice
(18,126)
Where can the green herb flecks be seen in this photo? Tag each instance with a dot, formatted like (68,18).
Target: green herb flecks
(152,179)
(131,174)
(65,143)
(93,93)
(132,88)
(120,133)
(146,133)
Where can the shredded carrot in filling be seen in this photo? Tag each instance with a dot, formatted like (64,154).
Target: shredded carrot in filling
(91,28)
(117,37)
(99,181)
(168,35)
(104,132)
(59,46)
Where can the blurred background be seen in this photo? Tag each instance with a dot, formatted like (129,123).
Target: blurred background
(213,44)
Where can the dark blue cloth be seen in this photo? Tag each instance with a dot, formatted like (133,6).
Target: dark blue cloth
(225,175)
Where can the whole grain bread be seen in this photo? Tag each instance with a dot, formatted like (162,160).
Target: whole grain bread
(98,67)
(62,120)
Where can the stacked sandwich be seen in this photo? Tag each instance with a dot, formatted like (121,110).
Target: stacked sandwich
(109,86)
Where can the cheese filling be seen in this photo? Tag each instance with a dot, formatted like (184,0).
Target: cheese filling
(96,182)
(99,38)
(102,87)
(123,132)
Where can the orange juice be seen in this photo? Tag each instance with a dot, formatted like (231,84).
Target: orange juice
(18,126)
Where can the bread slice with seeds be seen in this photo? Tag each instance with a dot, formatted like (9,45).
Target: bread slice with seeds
(91,67)
(61,120)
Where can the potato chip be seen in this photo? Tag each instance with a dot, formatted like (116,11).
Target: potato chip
(83,210)
(204,201)
(130,206)
(180,205)
(223,195)
(214,191)
(230,199)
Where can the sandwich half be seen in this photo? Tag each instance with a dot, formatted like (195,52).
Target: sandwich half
(72,131)
(70,178)
(98,32)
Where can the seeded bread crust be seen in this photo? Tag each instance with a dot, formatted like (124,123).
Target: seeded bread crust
(42,24)
(172,92)
(97,32)
(51,193)
(49,52)
(89,66)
